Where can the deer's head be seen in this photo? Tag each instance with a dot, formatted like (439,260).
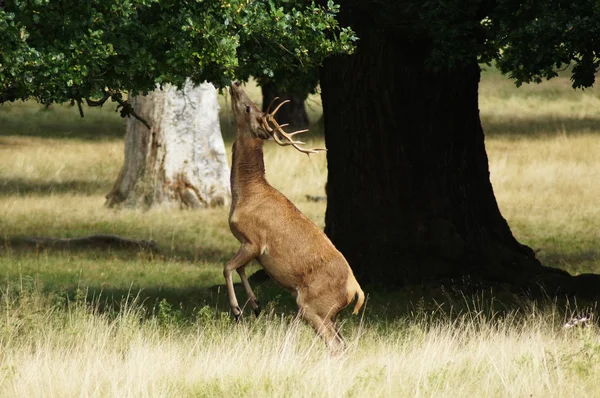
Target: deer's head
(251,119)
(248,116)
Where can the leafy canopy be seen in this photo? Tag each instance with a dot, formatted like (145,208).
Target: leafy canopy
(527,39)
(61,50)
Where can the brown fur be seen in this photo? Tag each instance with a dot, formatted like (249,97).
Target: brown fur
(293,250)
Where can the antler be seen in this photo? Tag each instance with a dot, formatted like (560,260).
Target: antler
(269,118)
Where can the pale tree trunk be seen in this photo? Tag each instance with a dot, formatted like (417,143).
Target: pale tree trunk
(181,160)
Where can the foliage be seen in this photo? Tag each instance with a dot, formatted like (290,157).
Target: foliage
(529,40)
(56,51)
(549,35)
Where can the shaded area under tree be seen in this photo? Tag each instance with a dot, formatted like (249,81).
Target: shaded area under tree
(409,195)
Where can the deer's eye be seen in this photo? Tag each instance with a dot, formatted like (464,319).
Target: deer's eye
(247,109)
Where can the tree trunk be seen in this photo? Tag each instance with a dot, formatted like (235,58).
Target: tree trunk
(293,112)
(181,160)
(409,194)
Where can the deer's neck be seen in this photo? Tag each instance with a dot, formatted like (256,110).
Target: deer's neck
(248,168)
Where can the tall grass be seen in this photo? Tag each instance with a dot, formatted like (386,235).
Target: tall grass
(50,351)
(119,323)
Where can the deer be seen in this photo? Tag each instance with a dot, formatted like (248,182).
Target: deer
(291,248)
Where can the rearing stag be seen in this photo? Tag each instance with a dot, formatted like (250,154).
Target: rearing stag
(293,250)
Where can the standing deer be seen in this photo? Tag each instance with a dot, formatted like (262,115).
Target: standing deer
(293,250)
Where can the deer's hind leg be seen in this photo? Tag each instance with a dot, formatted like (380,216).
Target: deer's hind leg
(244,255)
(322,322)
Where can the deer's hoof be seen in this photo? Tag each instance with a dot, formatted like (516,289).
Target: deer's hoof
(237,313)
(257,311)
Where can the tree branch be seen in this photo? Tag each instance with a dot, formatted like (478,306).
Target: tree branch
(126,108)
(92,103)
(80,108)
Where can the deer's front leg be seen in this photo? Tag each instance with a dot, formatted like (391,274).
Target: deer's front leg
(244,255)
(251,296)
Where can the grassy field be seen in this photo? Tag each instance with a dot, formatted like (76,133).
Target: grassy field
(122,323)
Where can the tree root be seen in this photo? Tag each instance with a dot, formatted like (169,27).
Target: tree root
(556,282)
(100,241)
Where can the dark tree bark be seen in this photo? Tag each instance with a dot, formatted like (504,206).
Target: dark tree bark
(409,193)
(293,112)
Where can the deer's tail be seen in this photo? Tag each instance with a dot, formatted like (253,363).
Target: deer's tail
(360,299)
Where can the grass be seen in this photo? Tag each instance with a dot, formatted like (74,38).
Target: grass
(122,323)
(50,351)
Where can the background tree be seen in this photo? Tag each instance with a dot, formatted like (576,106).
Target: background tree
(293,88)
(409,194)
(91,51)
(294,113)
(181,159)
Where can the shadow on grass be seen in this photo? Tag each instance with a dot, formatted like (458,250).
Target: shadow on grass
(544,127)
(383,307)
(435,300)
(24,187)
(103,250)
(186,302)
(60,121)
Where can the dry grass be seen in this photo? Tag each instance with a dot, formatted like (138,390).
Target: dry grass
(543,150)
(48,351)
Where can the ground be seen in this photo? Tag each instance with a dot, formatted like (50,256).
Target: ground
(107,322)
